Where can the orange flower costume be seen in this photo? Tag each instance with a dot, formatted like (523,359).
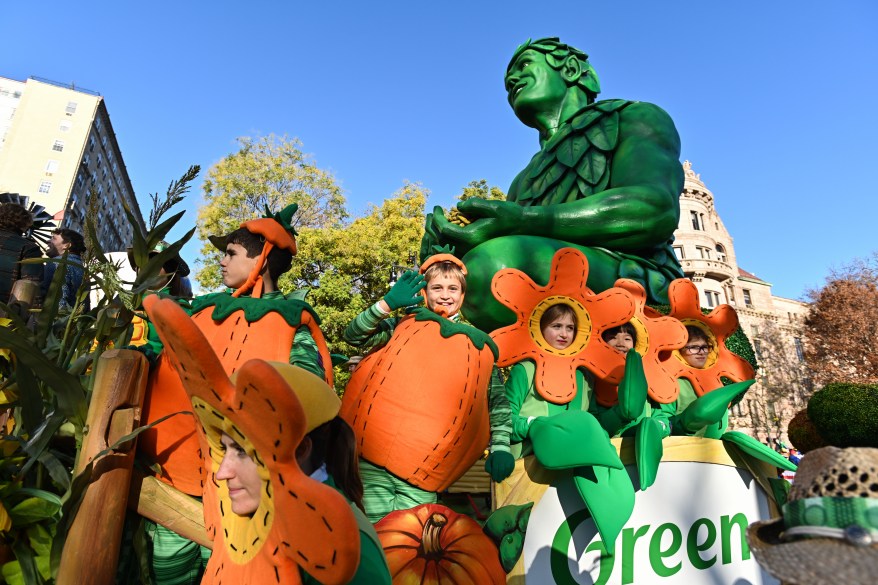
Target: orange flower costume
(299,522)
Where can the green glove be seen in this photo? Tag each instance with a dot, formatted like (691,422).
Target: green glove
(406,292)
(572,439)
(499,465)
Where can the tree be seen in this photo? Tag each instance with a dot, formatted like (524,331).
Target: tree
(343,265)
(481,190)
(843,324)
(267,171)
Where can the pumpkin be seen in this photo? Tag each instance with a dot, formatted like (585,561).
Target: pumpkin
(419,405)
(299,522)
(431,544)
(235,338)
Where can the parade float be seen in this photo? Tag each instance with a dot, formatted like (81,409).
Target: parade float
(587,224)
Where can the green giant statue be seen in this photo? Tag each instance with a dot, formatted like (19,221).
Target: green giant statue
(607,180)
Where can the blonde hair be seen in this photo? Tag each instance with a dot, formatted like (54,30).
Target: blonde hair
(447,269)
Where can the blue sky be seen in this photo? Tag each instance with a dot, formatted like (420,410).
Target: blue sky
(775,102)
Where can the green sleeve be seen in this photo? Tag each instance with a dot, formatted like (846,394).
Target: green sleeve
(370,329)
(304,353)
(499,413)
(517,388)
(664,413)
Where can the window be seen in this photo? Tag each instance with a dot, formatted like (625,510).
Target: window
(800,351)
(747,300)
(720,253)
(704,252)
(91,143)
(59,146)
(65,126)
(731,292)
(80,180)
(678,251)
(712,298)
(696,222)
(45,186)
(104,140)
(71,108)
(52,166)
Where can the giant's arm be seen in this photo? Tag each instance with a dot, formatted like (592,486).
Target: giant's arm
(638,210)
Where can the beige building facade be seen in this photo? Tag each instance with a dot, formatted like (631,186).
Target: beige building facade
(773,324)
(56,145)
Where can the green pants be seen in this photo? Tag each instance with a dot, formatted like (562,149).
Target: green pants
(383,492)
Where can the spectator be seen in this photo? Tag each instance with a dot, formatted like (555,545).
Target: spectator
(69,242)
(14,247)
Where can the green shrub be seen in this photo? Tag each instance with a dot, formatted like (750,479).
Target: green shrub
(803,435)
(846,415)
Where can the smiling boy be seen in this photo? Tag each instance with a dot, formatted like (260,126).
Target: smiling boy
(441,284)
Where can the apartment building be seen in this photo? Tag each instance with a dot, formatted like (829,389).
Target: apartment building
(56,145)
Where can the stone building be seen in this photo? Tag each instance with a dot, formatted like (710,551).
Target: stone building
(773,324)
(56,145)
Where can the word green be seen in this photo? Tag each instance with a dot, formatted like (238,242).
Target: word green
(700,539)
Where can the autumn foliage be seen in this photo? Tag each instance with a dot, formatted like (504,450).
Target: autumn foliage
(843,325)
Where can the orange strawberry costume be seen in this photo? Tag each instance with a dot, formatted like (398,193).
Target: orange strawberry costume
(299,522)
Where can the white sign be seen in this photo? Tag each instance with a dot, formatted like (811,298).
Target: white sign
(689,527)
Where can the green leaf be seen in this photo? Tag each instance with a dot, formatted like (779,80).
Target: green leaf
(33,510)
(67,389)
(572,149)
(158,233)
(59,474)
(605,134)
(592,166)
(29,398)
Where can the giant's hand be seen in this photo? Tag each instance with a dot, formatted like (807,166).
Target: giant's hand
(489,219)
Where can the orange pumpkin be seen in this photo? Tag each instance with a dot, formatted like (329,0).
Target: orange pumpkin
(419,405)
(431,544)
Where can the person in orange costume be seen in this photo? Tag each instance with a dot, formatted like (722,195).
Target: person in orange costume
(252,320)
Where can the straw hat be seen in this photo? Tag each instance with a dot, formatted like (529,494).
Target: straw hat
(829,529)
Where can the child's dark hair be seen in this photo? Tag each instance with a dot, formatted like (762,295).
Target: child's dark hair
(279,261)
(334,444)
(555,312)
(623,328)
(72,237)
(696,333)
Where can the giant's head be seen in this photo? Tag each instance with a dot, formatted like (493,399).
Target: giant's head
(540,74)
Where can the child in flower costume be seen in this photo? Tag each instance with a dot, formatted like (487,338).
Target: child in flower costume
(426,400)
(255,320)
(271,505)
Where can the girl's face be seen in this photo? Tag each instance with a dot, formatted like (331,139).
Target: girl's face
(560,332)
(242,475)
(622,342)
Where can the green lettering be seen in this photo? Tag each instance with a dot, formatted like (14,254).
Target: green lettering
(656,554)
(726,524)
(693,549)
(607,561)
(629,538)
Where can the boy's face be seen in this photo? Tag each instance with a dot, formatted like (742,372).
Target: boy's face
(236,266)
(696,352)
(622,342)
(444,292)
